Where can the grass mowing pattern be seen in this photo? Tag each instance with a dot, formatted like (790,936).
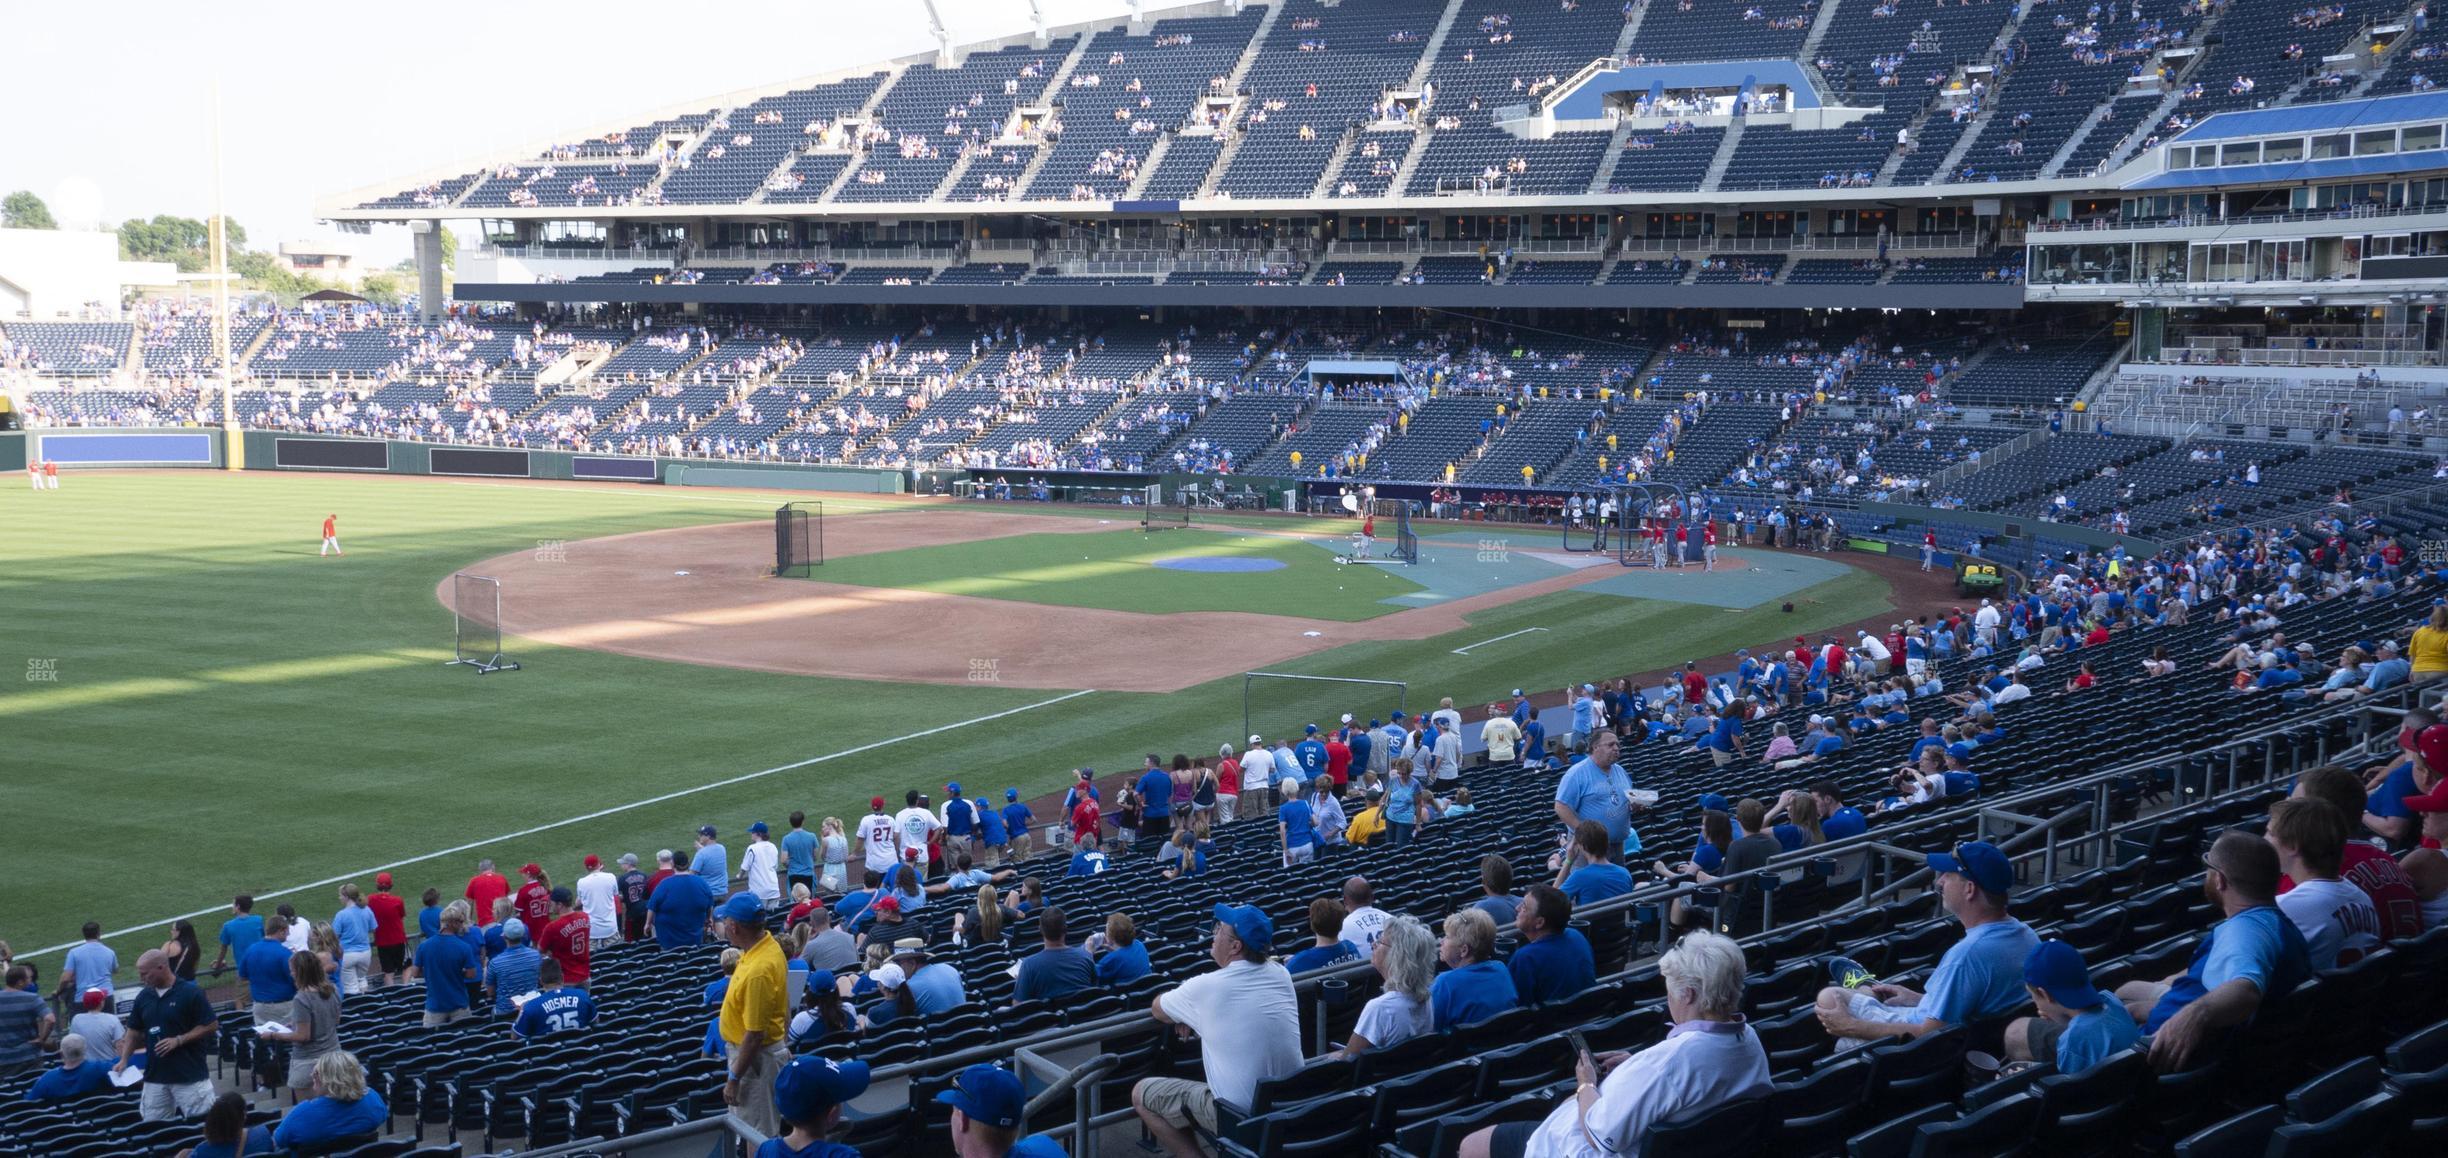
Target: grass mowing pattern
(1115,570)
(232,713)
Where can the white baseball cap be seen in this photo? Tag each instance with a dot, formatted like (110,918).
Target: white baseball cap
(1254,738)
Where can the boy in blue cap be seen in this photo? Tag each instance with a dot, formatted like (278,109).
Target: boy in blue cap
(808,1095)
(1016,818)
(987,1103)
(2079,1025)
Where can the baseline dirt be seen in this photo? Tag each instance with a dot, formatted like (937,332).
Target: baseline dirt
(701,595)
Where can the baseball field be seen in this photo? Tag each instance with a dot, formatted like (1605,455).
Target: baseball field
(206,706)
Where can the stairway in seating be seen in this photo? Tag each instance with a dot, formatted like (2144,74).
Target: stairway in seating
(1046,97)
(858,152)
(1724,157)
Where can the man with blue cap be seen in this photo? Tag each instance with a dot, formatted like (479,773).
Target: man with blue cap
(1016,820)
(1247,1021)
(808,1095)
(987,1105)
(755,1019)
(1979,977)
(2080,1025)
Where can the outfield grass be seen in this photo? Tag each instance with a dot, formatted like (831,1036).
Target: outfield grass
(1116,570)
(228,712)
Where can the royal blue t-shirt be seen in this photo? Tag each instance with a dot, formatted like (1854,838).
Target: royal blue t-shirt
(1471,994)
(1534,740)
(1123,965)
(429,921)
(960,817)
(445,961)
(2389,801)
(1361,745)
(1310,754)
(1156,793)
(258,1141)
(1828,745)
(240,932)
(326,1120)
(266,969)
(1016,817)
(1721,737)
(1321,956)
(680,905)
(1087,864)
(1846,821)
(991,828)
(1597,882)
(59,1085)
(1299,830)
(1554,967)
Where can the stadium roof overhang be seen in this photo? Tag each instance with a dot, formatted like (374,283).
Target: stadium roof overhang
(1253,207)
(1954,296)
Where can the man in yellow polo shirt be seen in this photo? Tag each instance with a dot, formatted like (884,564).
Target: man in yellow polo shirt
(755,1014)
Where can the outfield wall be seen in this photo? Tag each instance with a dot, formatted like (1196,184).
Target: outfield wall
(201,447)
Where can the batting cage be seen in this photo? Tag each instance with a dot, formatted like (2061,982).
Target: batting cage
(1622,521)
(1154,518)
(1383,534)
(1031,490)
(798,539)
(1281,706)
(476,631)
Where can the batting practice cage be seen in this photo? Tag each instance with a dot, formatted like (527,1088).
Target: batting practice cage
(1281,706)
(1025,489)
(798,539)
(1155,518)
(476,634)
(1394,541)
(1613,520)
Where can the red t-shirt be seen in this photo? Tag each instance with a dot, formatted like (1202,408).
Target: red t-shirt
(1708,534)
(533,905)
(1085,817)
(1228,778)
(1695,687)
(655,879)
(330,528)
(565,940)
(390,918)
(482,890)
(1338,761)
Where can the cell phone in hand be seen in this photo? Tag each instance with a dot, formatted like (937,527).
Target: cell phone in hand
(1580,1045)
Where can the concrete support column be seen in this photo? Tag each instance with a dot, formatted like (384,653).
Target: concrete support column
(431,299)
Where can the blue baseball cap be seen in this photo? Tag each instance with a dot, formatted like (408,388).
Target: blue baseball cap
(1249,923)
(988,1094)
(1710,801)
(953,788)
(1398,714)
(1979,861)
(705,830)
(759,828)
(819,980)
(1011,794)
(1310,730)
(2057,969)
(811,1086)
(1374,722)
(514,930)
(742,907)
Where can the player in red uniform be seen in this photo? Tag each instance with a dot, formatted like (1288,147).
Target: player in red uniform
(331,537)
(1708,545)
(1366,538)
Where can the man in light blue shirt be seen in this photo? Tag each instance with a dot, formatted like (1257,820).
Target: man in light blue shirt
(1979,978)
(1597,788)
(91,965)
(712,863)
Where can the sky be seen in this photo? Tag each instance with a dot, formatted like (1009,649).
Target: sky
(111,103)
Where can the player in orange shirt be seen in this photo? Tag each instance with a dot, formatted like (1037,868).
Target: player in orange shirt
(331,537)
(1366,538)
(50,474)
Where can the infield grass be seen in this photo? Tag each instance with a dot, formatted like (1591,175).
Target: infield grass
(207,707)
(1117,570)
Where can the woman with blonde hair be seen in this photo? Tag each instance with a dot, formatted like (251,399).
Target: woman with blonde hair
(343,1107)
(2428,650)
(1405,955)
(834,874)
(983,923)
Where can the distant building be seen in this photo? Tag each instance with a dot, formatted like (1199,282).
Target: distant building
(73,275)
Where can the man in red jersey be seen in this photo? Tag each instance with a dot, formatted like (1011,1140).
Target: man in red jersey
(390,929)
(566,938)
(486,887)
(533,901)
